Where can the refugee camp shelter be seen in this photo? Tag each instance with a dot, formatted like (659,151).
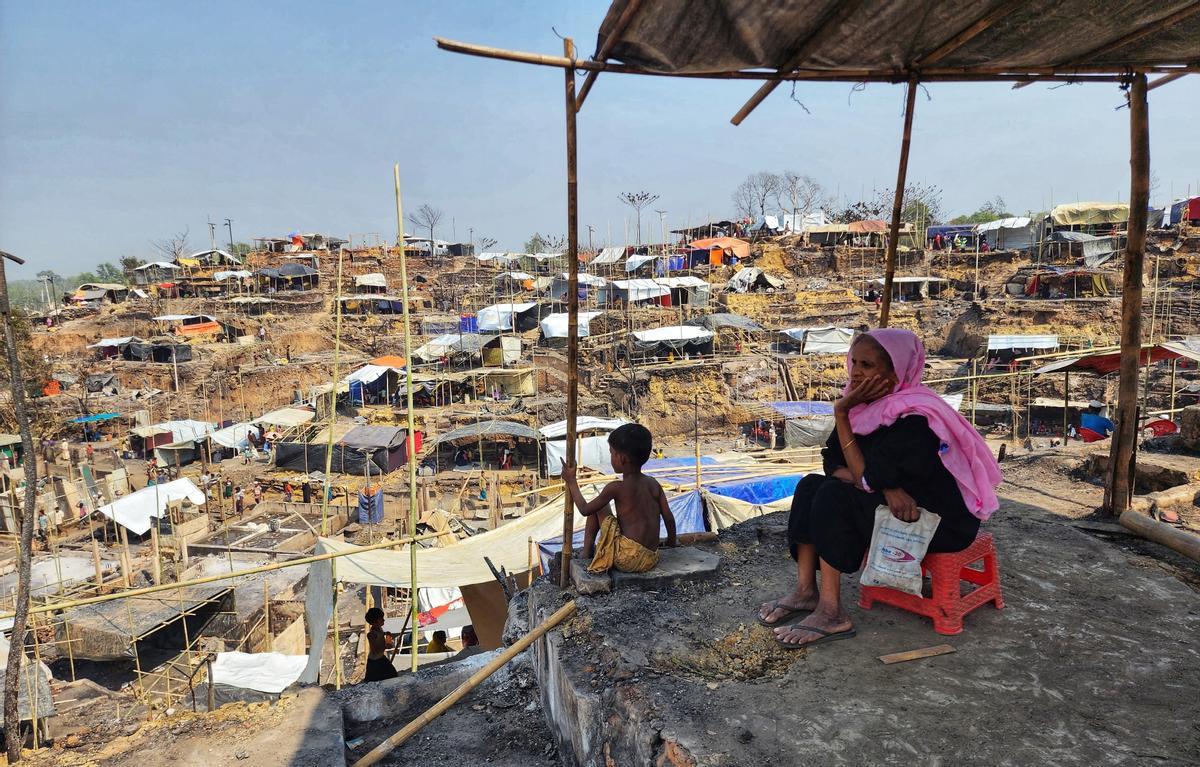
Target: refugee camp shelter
(820,340)
(175,443)
(375,282)
(639,291)
(191,324)
(592,444)
(677,340)
(357,449)
(753,279)
(1006,348)
(554,326)
(163,350)
(1058,282)
(109,348)
(1013,233)
(289,277)
(913,288)
(1186,210)
(97,292)
(209,259)
(153,273)
(486,439)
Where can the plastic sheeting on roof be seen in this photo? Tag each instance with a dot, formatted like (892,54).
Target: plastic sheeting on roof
(609,256)
(181,431)
(507,428)
(518,276)
(235,436)
(373,437)
(725,320)
(156,265)
(747,278)
(236,274)
(218,256)
(1014,222)
(802,409)
(372,280)
(682,281)
(999,342)
(641,290)
(135,511)
(1081,213)
(366,374)
(739,248)
(582,423)
(759,491)
(555,325)
(635,262)
(674,335)
(103,342)
(585,279)
(823,340)
(500,316)
(286,417)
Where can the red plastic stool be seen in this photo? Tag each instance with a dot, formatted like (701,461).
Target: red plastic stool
(947,604)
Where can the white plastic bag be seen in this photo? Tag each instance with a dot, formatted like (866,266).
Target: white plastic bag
(897,548)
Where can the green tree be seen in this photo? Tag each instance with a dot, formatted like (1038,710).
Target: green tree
(36,372)
(129,263)
(990,211)
(108,272)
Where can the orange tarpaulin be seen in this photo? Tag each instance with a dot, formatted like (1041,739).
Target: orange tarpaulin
(739,248)
(388,361)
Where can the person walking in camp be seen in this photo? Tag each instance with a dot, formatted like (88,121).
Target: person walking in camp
(287,491)
(771,437)
(90,451)
(239,502)
(43,525)
(896,443)
(258,493)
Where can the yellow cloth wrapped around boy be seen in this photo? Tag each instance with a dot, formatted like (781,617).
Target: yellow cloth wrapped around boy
(614,550)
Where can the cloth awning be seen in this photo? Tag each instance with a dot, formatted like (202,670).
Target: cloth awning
(181,431)
(641,290)
(135,511)
(583,423)
(236,274)
(739,248)
(105,342)
(609,256)
(286,417)
(636,262)
(504,428)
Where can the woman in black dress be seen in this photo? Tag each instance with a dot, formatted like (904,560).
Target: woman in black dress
(896,444)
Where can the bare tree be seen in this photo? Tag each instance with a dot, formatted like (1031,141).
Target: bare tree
(637,201)
(174,247)
(485,243)
(751,196)
(427,217)
(799,193)
(546,243)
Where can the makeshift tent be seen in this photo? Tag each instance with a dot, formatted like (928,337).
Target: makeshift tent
(593,450)
(215,257)
(1105,363)
(753,278)
(452,344)
(363,450)
(608,256)
(801,222)
(501,316)
(135,511)
(236,274)
(475,430)
(823,340)
(1019,346)
(730,246)
(286,417)
(910,288)
(674,337)
(1089,213)
(555,325)
(236,437)
(156,351)
(105,383)
(634,291)
(1187,209)
(732,502)
(372,280)
(1015,233)
(635,262)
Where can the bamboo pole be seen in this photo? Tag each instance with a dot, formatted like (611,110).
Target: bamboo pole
(156,564)
(1121,467)
(96,564)
(1181,541)
(301,561)
(410,439)
(333,392)
(458,693)
(889,274)
(1066,404)
(572,307)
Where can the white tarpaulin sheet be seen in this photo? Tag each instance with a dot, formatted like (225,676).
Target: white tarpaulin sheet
(828,340)
(675,335)
(269,672)
(555,325)
(609,256)
(366,374)
(1014,222)
(519,276)
(583,423)
(286,416)
(641,290)
(181,431)
(234,436)
(372,280)
(1000,342)
(239,274)
(724,511)
(585,279)
(113,342)
(593,453)
(135,510)
(460,564)
(500,316)
(635,262)
(684,281)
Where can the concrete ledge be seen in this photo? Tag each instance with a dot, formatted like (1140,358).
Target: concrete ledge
(679,564)
(395,697)
(589,583)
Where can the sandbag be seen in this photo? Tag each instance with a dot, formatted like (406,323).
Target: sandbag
(897,548)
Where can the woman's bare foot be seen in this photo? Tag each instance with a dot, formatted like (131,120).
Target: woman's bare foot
(777,610)
(828,623)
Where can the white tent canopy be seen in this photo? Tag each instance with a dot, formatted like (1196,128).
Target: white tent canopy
(555,325)
(609,256)
(823,340)
(103,342)
(674,335)
(157,265)
(583,423)
(372,280)
(235,436)
(181,431)
(1004,342)
(500,316)
(641,290)
(634,262)
(239,274)
(585,279)
(286,416)
(135,511)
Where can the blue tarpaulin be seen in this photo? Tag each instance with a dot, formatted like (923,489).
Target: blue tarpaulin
(468,323)
(95,417)
(801,409)
(370,507)
(759,491)
(688,510)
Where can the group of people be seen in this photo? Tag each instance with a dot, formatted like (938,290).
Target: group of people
(957,242)
(380,662)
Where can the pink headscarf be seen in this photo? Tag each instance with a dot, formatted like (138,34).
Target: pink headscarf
(964,453)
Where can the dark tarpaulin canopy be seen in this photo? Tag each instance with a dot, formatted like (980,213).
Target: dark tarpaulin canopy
(374,437)
(725,320)
(506,428)
(711,36)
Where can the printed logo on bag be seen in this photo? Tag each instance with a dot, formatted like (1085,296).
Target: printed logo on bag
(896,554)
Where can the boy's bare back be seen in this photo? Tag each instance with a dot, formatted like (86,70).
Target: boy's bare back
(639,500)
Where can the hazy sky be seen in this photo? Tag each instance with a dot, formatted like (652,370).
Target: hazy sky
(122,122)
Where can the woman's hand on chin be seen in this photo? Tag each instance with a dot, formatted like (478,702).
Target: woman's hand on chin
(902,505)
(869,390)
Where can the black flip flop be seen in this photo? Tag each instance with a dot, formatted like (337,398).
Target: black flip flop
(788,614)
(826,636)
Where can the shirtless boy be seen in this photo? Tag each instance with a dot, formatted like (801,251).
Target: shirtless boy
(628,542)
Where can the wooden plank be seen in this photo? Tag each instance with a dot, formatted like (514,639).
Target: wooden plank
(924,652)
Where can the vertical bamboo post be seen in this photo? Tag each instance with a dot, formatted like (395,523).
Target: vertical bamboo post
(333,392)
(973,386)
(696,434)
(889,273)
(70,649)
(572,306)
(1121,468)
(156,566)
(410,439)
(96,564)
(1174,369)
(126,560)
(1066,404)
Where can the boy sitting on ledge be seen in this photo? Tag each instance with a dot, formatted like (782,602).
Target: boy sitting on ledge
(629,541)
